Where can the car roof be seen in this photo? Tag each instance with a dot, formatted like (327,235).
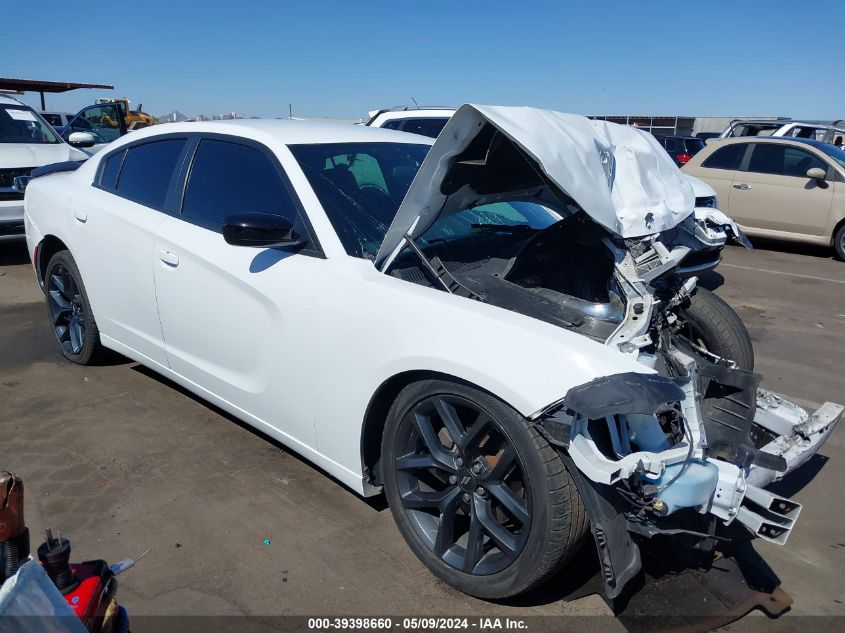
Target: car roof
(782,122)
(768,139)
(408,108)
(411,111)
(285,131)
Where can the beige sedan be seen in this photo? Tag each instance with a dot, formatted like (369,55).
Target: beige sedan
(792,189)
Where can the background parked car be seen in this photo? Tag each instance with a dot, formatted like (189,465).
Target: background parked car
(681,148)
(427,121)
(792,189)
(26,141)
(824,131)
(57,119)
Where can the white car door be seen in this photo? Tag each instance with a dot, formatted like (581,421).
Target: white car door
(104,122)
(116,222)
(237,320)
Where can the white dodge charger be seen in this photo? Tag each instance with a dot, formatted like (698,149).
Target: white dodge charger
(491,330)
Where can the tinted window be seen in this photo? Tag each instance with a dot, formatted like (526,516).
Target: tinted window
(728,157)
(783,160)
(229,178)
(52,119)
(147,170)
(669,144)
(394,124)
(111,168)
(360,186)
(426,127)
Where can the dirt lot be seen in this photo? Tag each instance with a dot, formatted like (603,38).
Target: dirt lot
(122,461)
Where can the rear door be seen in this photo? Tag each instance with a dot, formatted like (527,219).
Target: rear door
(237,320)
(774,193)
(117,221)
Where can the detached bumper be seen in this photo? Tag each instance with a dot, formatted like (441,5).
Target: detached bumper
(799,436)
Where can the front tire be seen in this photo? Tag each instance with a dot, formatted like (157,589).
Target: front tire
(839,242)
(710,323)
(478,494)
(69,311)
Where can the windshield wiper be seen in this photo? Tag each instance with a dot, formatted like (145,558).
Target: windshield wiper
(442,276)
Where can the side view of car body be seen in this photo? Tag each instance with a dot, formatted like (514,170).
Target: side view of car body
(485,329)
(785,188)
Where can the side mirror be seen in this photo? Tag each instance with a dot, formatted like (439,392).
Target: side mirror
(816,173)
(81,139)
(260,230)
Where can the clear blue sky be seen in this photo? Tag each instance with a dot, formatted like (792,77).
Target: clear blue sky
(340,59)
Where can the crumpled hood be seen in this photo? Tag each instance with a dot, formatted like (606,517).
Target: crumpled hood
(617,174)
(37,154)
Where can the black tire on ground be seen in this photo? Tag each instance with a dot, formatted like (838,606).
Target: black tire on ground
(539,489)
(711,323)
(839,242)
(62,272)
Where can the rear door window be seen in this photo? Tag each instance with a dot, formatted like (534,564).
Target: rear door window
(147,171)
(393,124)
(228,178)
(728,157)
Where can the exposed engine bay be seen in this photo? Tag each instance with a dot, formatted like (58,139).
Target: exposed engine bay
(685,451)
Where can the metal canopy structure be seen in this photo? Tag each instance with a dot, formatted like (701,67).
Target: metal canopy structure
(33,85)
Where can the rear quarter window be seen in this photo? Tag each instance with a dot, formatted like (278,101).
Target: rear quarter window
(111,169)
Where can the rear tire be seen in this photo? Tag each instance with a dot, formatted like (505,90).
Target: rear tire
(69,311)
(492,514)
(711,323)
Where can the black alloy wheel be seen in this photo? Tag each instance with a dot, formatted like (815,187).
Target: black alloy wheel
(463,486)
(477,492)
(69,310)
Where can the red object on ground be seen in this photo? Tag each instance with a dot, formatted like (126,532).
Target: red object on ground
(91,597)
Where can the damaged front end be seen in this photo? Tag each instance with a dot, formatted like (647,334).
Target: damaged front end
(682,454)
(590,227)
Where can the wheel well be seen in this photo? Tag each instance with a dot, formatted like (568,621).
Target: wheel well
(48,247)
(376,416)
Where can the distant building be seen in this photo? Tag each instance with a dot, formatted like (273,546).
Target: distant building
(675,125)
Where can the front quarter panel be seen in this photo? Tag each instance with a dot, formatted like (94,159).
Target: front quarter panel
(371,327)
